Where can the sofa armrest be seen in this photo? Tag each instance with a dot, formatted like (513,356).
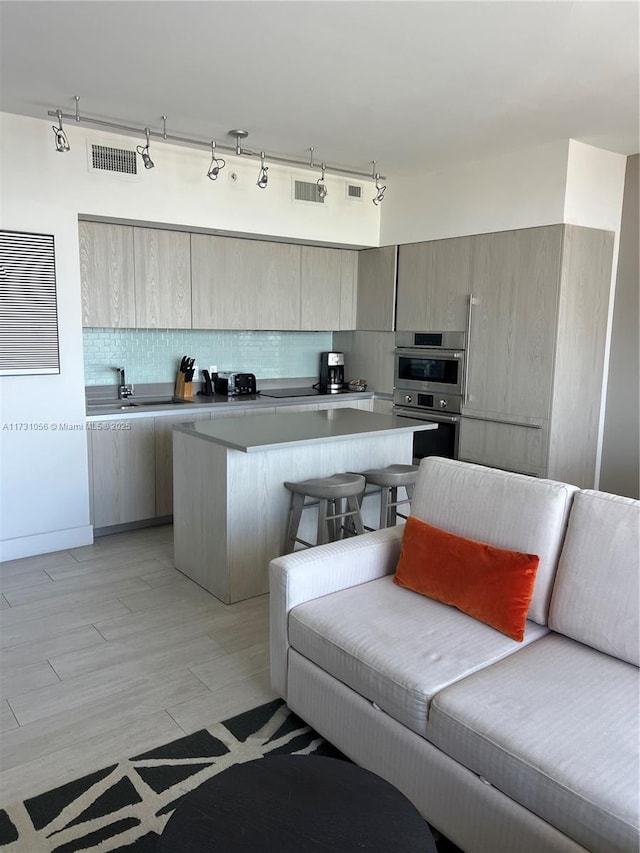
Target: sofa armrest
(315,572)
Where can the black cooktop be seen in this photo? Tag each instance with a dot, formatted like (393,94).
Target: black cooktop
(295,392)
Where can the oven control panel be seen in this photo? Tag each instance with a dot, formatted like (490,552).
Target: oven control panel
(427,402)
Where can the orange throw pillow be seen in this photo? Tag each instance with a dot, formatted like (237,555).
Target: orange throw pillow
(493,585)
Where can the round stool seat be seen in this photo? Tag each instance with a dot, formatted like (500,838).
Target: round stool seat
(336,486)
(392,475)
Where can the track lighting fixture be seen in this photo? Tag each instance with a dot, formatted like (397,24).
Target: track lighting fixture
(380,190)
(143,151)
(262,174)
(216,164)
(62,143)
(322,187)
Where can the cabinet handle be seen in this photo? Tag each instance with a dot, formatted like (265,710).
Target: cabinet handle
(467,356)
(504,421)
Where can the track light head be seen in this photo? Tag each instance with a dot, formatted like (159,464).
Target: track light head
(263,178)
(380,190)
(217,163)
(143,151)
(322,187)
(62,143)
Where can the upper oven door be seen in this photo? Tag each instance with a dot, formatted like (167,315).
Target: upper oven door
(436,371)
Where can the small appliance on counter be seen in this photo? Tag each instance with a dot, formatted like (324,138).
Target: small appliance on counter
(237,383)
(207,384)
(331,372)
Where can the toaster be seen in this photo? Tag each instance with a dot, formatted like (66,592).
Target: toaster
(241,383)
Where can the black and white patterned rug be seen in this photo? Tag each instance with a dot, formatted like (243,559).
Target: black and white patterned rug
(123,808)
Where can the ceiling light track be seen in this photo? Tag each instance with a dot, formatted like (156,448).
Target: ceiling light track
(236,149)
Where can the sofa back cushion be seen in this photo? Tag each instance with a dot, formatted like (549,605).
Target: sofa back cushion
(506,510)
(596,594)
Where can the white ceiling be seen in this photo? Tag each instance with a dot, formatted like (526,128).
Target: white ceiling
(416,85)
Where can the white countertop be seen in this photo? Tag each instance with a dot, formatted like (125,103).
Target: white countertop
(111,411)
(252,433)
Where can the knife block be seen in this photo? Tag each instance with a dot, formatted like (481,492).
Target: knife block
(183,389)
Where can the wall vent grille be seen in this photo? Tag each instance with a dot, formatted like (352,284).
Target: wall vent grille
(118,160)
(29,315)
(306,191)
(354,191)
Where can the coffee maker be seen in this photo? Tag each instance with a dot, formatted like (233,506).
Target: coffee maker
(331,372)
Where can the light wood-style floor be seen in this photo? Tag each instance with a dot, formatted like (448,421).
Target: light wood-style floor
(108,650)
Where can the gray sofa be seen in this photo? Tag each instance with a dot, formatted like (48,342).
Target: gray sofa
(502,746)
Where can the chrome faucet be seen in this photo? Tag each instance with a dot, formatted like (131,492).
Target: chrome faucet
(124,390)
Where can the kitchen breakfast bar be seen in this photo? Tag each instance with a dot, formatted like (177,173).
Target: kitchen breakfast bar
(230,502)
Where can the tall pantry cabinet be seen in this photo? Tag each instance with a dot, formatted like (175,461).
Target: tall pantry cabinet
(534,302)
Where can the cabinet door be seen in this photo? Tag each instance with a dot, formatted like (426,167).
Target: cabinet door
(164,458)
(376,289)
(123,471)
(348,289)
(162,279)
(508,446)
(107,275)
(433,285)
(244,284)
(511,348)
(320,288)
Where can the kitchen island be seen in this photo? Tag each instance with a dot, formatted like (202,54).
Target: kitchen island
(230,502)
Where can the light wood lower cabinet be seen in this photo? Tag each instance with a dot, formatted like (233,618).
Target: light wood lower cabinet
(164,459)
(122,471)
(499,445)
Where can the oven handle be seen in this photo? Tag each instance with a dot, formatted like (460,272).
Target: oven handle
(465,393)
(421,415)
(428,352)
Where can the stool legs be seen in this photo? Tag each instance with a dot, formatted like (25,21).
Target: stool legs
(295,514)
(356,519)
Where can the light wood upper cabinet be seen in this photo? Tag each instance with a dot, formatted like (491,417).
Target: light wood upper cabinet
(244,284)
(515,280)
(376,289)
(348,289)
(327,288)
(162,279)
(433,285)
(320,288)
(106,275)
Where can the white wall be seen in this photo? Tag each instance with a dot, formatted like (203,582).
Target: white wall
(44,499)
(518,190)
(593,198)
(620,472)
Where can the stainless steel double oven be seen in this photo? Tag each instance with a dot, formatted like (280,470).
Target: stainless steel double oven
(429,383)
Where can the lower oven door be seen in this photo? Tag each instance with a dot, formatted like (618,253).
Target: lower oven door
(433,442)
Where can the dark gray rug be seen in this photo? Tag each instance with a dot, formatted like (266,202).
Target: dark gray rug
(123,808)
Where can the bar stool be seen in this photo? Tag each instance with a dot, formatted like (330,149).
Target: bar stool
(329,495)
(389,480)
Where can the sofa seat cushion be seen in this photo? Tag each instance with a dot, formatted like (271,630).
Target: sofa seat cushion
(555,728)
(396,647)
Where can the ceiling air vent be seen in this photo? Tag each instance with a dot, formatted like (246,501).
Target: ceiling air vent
(306,191)
(354,192)
(120,160)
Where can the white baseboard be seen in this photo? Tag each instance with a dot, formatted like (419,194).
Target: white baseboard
(45,543)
